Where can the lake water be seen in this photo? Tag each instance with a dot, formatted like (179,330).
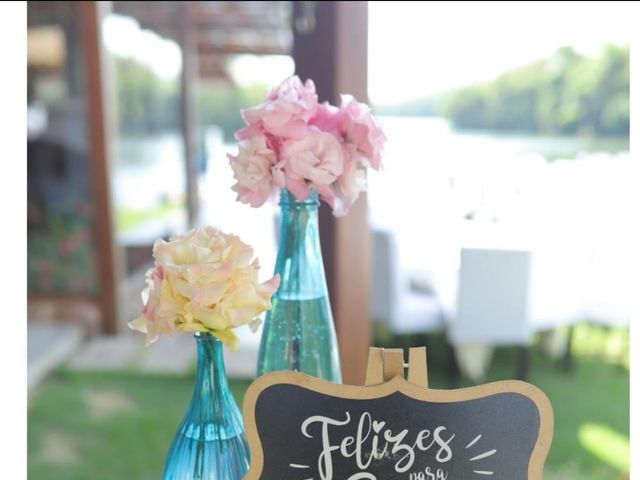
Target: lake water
(148,168)
(433,177)
(474,170)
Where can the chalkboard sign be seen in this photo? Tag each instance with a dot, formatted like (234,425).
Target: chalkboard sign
(303,428)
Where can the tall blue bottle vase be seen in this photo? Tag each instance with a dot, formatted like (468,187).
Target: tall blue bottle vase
(299,333)
(210,443)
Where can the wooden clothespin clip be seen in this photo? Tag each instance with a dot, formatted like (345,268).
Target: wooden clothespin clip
(385,364)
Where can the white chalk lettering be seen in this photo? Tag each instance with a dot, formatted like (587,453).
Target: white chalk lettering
(374,441)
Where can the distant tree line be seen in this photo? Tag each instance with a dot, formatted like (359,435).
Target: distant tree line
(567,93)
(148,103)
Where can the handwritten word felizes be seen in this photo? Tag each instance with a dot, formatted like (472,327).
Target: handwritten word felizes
(373,441)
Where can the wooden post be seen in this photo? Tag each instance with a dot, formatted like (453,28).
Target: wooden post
(334,55)
(98,158)
(187,113)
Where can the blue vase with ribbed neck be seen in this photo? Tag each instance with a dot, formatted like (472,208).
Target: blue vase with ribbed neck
(210,443)
(299,333)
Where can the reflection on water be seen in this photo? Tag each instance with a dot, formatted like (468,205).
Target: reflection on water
(426,157)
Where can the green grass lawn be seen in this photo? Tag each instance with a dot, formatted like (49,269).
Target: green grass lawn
(127,218)
(591,414)
(106,425)
(119,425)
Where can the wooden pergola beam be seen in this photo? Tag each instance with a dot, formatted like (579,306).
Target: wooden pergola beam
(208,15)
(207,48)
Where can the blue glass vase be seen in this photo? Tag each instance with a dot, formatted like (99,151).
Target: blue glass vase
(210,443)
(299,333)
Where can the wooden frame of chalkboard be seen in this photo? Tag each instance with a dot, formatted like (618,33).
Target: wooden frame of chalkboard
(284,386)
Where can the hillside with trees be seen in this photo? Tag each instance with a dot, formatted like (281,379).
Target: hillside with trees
(566,94)
(148,103)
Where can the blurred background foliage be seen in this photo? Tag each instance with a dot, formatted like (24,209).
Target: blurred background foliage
(148,103)
(565,94)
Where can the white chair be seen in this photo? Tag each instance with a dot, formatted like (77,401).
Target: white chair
(493,308)
(394,303)
(609,287)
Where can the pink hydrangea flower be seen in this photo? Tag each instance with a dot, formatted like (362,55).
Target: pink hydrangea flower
(285,112)
(363,130)
(354,125)
(329,118)
(316,161)
(256,171)
(298,144)
(350,184)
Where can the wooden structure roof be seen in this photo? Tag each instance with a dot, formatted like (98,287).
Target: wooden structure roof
(217,28)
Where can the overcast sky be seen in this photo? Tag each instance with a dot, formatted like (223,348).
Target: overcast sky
(420,48)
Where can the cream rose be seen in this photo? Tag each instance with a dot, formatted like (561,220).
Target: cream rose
(203,281)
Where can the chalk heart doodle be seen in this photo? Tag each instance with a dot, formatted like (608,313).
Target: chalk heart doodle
(302,428)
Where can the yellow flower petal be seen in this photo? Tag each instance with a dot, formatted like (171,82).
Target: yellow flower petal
(203,281)
(228,338)
(202,293)
(212,318)
(254,325)
(192,327)
(139,324)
